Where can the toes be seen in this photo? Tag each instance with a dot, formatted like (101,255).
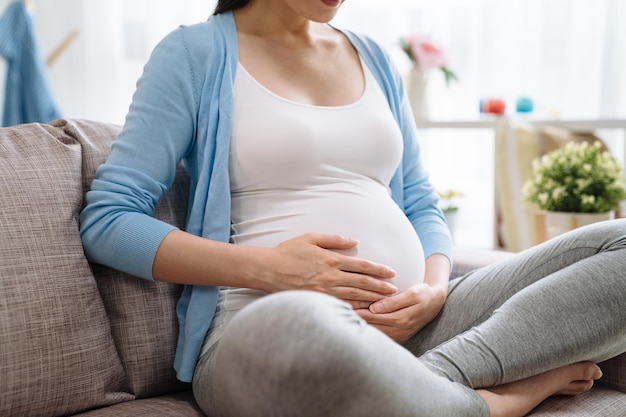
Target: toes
(597,372)
(592,371)
(586,370)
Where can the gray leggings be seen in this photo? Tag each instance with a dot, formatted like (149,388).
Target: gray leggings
(303,354)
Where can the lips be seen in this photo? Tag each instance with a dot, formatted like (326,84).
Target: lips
(332,3)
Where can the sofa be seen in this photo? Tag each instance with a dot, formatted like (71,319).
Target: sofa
(82,339)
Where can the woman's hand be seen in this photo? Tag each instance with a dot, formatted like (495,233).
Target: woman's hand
(308,262)
(402,315)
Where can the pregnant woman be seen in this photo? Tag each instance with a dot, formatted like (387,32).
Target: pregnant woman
(315,259)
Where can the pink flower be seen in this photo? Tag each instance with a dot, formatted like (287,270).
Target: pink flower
(426,54)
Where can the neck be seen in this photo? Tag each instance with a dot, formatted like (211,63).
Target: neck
(277,20)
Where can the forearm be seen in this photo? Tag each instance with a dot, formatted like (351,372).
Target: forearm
(307,262)
(183,258)
(437,275)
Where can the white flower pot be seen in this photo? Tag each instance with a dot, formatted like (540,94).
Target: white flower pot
(558,222)
(417,88)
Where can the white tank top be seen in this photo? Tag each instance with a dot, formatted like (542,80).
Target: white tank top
(299,168)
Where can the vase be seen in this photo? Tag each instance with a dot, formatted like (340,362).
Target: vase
(558,222)
(418,83)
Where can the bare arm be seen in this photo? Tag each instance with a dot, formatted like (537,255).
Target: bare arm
(438,275)
(305,262)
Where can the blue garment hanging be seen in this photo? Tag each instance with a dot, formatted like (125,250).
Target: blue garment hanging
(27,94)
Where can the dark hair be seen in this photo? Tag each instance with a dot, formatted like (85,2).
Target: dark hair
(226,5)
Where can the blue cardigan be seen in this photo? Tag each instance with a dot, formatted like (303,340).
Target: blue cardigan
(182,111)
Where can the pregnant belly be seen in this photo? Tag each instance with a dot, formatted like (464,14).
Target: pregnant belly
(384,233)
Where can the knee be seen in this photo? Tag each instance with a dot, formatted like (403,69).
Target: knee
(292,309)
(277,347)
(615,232)
(285,320)
(607,235)
(610,234)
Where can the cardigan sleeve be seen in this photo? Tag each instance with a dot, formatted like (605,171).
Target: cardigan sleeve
(117,227)
(419,198)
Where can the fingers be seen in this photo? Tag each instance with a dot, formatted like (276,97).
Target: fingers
(400,335)
(352,278)
(358,304)
(349,263)
(331,241)
(364,267)
(312,262)
(398,319)
(353,291)
(404,299)
(387,305)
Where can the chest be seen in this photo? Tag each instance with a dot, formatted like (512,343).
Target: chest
(280,143)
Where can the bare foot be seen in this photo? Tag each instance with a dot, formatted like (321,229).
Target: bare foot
(518,398)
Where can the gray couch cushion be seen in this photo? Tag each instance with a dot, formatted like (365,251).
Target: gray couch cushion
(614,374)
(142,313)
(175,405)
(56,352)
(598,402)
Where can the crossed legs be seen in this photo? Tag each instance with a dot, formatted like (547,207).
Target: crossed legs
(516,332)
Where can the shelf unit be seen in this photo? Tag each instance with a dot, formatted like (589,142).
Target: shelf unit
(492,123)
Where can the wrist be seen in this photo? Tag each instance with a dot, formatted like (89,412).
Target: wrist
(441,293)
(255,272)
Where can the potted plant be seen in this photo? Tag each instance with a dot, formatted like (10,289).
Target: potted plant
(575,185)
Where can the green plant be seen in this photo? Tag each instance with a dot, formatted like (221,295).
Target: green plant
(447,200)
(576,178)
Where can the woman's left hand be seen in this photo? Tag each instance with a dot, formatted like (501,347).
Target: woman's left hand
(401,316)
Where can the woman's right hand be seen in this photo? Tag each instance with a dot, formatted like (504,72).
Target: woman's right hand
(309,262)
